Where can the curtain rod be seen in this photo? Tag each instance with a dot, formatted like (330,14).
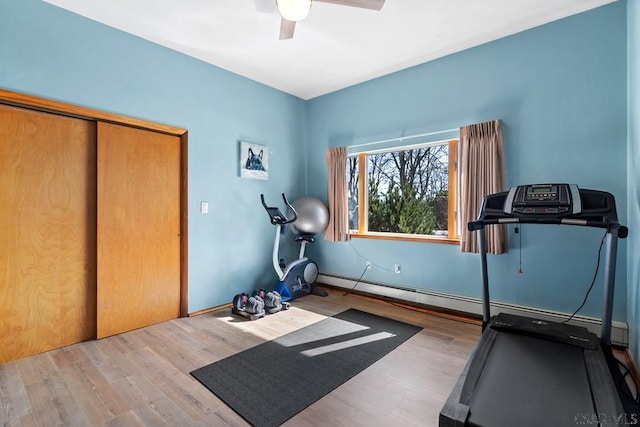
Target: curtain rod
(402,138)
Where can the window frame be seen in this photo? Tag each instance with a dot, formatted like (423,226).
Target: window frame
(363,208)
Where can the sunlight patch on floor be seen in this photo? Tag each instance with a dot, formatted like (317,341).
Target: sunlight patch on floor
(347,344)
(275,325)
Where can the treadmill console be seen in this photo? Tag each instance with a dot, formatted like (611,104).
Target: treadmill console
(543,199)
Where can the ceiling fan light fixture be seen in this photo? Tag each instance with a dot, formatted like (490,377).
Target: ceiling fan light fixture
(294,10)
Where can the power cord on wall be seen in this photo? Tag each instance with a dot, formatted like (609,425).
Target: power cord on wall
(584,301)
(362,257)
(358,281)
(367,267)
(593,281)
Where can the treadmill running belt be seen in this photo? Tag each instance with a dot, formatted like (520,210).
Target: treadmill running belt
(531,382)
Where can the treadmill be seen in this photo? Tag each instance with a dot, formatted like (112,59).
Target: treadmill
(533,372)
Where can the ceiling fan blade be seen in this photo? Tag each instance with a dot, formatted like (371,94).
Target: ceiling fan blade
(286,29)
(365,4)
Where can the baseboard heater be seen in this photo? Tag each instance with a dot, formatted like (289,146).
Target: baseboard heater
(462,304)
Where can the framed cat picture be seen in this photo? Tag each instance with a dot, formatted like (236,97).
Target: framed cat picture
(254,160)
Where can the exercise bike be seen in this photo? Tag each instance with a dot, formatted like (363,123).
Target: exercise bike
(297,278)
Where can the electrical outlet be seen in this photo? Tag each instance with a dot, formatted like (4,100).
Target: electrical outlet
(396,268)
(368,265)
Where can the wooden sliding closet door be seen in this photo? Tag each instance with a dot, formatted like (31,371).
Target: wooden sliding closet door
(138,228)
(47,231)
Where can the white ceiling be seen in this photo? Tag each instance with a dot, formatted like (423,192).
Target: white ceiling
(335,46)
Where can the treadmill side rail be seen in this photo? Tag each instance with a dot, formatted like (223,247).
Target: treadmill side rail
(556,376)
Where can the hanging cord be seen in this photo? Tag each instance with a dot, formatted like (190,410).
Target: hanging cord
(595,274)
(519,231)
(358,281)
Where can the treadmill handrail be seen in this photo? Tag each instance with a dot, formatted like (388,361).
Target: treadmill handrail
(616,228)
(598,210)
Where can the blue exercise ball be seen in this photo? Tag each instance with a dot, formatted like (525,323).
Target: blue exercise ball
(313,216)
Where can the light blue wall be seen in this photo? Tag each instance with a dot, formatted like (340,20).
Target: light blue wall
(633,289)
(560,90)
(49,52)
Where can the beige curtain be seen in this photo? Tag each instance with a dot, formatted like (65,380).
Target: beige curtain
(338,229)
(482,172)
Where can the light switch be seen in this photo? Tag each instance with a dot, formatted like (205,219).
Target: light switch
(204,207)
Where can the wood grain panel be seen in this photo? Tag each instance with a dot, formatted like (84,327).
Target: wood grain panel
(47,229)
(138,228)
(49,105)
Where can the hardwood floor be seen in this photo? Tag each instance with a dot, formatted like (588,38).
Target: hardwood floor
(141,378)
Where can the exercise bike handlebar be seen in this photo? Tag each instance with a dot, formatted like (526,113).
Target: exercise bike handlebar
(277,217)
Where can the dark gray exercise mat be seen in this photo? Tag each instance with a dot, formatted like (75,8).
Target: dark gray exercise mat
(270,383)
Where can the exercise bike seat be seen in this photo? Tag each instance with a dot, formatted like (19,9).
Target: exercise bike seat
(309,238)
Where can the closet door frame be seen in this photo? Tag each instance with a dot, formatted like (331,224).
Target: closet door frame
(56,107)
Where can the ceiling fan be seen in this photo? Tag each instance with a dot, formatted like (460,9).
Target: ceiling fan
(293,11)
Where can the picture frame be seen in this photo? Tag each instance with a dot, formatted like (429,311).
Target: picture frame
(254,160)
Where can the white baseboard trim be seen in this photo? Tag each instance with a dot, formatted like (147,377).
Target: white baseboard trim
(619,330)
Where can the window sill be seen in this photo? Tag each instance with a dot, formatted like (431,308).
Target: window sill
(406,237)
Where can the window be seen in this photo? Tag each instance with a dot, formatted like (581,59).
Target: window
(404,192)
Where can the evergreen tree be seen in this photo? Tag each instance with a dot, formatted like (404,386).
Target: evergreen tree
(407,190)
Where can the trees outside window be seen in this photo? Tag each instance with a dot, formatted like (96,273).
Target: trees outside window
(408,191)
